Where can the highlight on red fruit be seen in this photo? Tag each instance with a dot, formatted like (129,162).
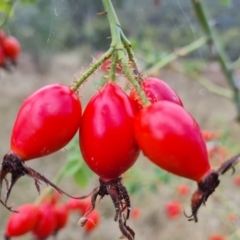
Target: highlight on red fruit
(47,223)
(92,222)
(183,189)
(217,237)
(11,47)
(156,90)
(23,221)
(173,209)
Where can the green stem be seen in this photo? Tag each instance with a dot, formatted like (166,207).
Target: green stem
(112,73)
(222,57)
(128,47)
(179,53)
(8,12)
(236,64)
(114,23)
(132,79)
(117,44)
(76,84)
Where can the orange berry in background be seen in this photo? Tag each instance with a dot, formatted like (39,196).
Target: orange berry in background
(92,222)
(236,180)
(217,237)
(183,189)
(135,213)
(231,217)
(173,209)
(210,135)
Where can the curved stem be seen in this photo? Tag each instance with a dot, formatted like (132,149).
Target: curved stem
(77,83)
(56,180)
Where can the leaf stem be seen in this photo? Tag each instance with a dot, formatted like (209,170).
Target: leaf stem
(179,53)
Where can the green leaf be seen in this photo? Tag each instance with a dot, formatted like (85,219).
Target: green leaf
(28,1)
(226,2)
(81,177)
(73,166)
(161,175)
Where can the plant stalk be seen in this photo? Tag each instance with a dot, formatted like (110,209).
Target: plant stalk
(221,55)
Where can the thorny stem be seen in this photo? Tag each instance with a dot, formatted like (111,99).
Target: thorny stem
(77,83)
(112,75)
(117,44)
(128,47)
(132,79)
(222,57)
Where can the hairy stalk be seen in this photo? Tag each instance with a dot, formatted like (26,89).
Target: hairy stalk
(118,38)
(77,83)
(112,73)
(221,55)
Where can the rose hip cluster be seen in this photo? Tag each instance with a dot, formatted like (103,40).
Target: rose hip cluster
(114,127)
(48,218)
(10,50)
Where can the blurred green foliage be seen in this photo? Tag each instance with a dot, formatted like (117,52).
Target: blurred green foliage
(53,26)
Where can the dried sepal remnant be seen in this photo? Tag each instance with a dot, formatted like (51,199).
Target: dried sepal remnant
(121,202)
(13,165)
(208,185)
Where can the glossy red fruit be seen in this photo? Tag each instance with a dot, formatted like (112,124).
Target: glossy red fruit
(92,222)
(156,90)
(61,216)
(22,222)
(106,133)
(46,122)
(11,47)
(183,189)
(46,222)
(173,209)
(170,137)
